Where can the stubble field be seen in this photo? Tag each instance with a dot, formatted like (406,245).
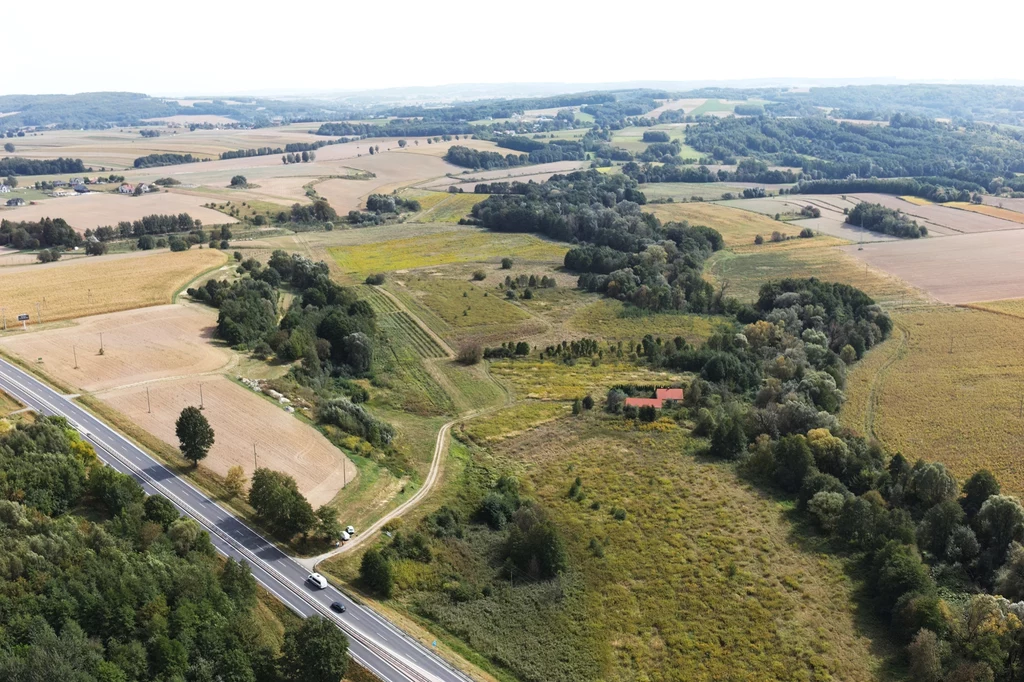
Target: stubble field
(138,346)
(240,419)
(84,287)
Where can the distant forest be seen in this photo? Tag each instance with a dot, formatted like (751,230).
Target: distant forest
(19,166)
(909,146)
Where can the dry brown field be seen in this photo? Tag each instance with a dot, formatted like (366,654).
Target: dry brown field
(139,346)
(1004,202)
(959,269)
(240,418)
(97,209)
(393,170)
(832,221)
(956,220)
(82,287)
(737,227)
(537,173)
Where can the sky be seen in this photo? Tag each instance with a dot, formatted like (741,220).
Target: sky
(210,47)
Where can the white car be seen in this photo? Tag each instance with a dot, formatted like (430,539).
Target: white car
(345,536)
(351,530)
(317,581)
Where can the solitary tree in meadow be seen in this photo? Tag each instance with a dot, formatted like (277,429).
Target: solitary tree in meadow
(9,148)
(195,435)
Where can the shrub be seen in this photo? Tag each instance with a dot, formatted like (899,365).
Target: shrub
(479,276)
(470,354)
(376,279)
(506,263)
(759,239)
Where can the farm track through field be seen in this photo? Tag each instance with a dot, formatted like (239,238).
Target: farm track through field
(879,379)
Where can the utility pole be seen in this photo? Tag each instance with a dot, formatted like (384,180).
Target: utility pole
(201,407)
(149,405)
(39,315)
(75,351)
(4,311)
(950,344)
(101,343)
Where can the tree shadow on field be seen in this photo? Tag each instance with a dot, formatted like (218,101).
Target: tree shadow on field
(806,537)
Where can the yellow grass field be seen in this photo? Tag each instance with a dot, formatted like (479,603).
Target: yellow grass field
(548,380)
(450,208)
(985,209)
(961,407)
(514,420)
(457,246)
(603,320)
(240,418)
(918,201)
(737,227)
(1011,306)
(138,345)
(746,272)
(102,284)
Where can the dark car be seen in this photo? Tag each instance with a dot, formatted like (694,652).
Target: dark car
(338,606)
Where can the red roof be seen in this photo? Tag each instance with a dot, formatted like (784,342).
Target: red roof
(669,393)
(644,402)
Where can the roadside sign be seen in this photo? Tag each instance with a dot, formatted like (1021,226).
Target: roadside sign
(23,317)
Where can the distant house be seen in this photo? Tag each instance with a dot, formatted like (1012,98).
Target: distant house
(16,201)
(76,181)
(644,402)
(59,183)
(126,188)
(4,189)
(669,393)
(663,394)
(144,187)
(81,189)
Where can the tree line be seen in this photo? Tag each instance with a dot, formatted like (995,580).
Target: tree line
(19,166)
(147,225)
(165,159)
(75,533)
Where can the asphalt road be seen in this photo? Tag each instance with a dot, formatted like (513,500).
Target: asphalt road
(373,641)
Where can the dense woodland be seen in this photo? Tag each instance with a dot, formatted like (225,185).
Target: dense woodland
(908,146)
(104,584)
(18,166)
(46,233)
(621,251)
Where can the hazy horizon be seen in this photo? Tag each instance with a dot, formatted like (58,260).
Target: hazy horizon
(200,48)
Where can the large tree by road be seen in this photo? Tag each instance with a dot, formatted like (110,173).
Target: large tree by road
(195,435)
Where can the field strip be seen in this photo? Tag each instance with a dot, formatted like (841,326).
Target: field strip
(430,332)
(879,378)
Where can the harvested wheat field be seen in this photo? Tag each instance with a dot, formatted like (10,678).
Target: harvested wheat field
(393,170)
(240,418)
(946,387)
(138,346)
(97,209)
(82,287)
(737,227)
(960,269)
(537,173)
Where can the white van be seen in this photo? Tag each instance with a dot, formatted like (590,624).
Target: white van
(345,536)
(350,530)
(317,581)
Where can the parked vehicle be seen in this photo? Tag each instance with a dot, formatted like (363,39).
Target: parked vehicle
(345,536)
(351,530)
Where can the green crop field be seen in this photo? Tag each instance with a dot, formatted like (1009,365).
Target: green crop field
(606,319)
(449,208)
(458,245)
